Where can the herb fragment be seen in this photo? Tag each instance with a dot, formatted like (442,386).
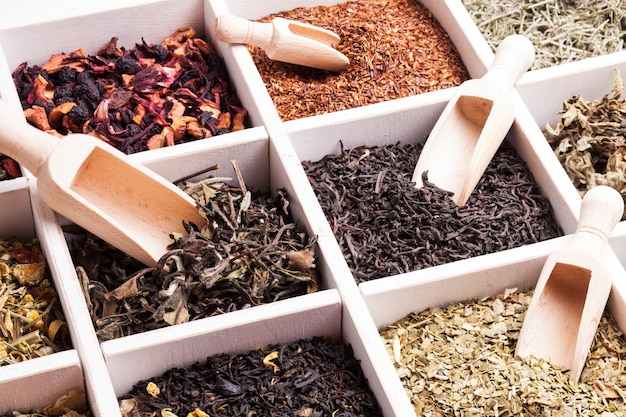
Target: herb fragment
(385,226)
(249,253)
(32,323)
(311,378)
(459,360)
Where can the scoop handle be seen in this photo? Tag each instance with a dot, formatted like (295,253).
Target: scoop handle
(602,207)
(513,57)
(235,29)
(26,144)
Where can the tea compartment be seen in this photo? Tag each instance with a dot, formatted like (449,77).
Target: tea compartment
(32,380)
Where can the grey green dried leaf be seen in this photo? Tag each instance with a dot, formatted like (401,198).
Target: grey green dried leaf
(590,140)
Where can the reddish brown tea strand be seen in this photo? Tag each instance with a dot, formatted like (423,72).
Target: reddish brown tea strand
(396,49)
(386,226)
(147,97)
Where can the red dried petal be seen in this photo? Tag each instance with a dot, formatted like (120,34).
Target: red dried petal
(25,256)
(11,167)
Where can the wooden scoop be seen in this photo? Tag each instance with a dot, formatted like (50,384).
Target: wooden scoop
(99,188)
(285,40)
(573,288)
(474,123)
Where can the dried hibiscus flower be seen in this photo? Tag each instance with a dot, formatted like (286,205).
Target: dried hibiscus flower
(147,97)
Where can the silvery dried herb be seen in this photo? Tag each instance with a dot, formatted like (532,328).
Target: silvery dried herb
(307,378)
(250,253)
(32,323)
(561,30)
(147,97)
(386,226)
(459,360)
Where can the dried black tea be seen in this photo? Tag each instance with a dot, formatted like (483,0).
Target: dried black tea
(32,322)
(386,226)
(251,252)
(308,378)
(146,97)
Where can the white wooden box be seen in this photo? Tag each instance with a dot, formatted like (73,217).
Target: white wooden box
(269,155)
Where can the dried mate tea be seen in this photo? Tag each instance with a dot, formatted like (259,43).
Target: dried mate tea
(589,140)
(312,377)
(146,97)
(561,30)
(32,323)
(386,226)
(72,404)
(460,360)
(396,49)
(250,253)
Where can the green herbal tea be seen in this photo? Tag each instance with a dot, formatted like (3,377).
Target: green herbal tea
(460,360)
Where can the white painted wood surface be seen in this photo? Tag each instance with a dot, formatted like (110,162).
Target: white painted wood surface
(270,156)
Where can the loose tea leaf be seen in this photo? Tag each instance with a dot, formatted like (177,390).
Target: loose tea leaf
(308,378)
(250,253)
(385,226)
(589,140)
(32,323)
(396,49)
(561,30)
(460,360)
(147,97)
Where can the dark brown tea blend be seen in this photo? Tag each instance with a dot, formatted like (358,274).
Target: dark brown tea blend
(385,226)
(146,97)
(311,378)
(251,252)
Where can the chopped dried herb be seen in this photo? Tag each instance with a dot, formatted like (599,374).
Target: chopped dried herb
(589,140)
(396,48)
(32,323)
(147,97)
(460,360)
(561,30)
(385,226)
(250,253)
(308,378)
